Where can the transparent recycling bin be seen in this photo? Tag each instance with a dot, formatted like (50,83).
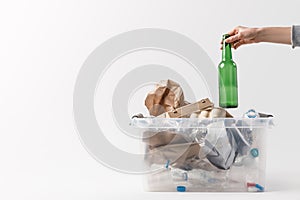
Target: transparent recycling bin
(204,155)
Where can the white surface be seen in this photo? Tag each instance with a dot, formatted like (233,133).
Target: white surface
(42,47)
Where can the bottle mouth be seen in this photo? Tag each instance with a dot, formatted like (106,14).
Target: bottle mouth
(225,36)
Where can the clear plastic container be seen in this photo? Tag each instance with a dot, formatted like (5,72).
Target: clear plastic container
(204,155)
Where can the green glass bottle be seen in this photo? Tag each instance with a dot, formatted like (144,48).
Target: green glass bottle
(228,88)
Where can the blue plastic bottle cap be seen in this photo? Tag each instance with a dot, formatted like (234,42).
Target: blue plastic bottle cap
(251,114)
(254,152)
(180,189)
(167,164)
(261,188)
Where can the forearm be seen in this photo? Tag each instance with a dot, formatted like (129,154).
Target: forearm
(274,34)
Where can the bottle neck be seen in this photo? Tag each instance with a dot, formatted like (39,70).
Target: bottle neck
(226,52)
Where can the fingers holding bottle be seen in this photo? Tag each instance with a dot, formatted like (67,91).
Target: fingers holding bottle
(241,35)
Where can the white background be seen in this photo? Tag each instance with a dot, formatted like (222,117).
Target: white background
(42,47)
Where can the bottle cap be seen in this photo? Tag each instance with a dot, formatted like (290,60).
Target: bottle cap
(181,188)
(261,188)
(254,152)
(251,114)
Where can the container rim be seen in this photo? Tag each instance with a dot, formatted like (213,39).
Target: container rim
(164,123)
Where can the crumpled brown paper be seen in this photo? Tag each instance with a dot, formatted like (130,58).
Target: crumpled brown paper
(167,96)
(167,101)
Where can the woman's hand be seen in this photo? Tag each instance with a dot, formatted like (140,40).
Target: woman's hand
(243,35)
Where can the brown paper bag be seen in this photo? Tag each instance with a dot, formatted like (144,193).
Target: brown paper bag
(167,96)
(177,154)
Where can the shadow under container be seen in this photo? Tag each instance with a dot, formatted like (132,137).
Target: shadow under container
(204,155)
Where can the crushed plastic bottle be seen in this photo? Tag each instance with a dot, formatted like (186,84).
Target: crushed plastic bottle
(203,177)
(179,175)
(248,160)
(180,178)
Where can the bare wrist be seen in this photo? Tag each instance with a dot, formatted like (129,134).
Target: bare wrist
(259,34)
